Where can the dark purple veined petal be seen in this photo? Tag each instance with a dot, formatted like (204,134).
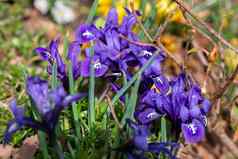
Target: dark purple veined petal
(147,115)
(43,52)
(55,54)
(162,83)
(193,132)
(37,89)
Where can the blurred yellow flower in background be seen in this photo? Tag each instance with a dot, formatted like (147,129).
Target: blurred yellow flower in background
(106,5)
(164,9)
(167,7)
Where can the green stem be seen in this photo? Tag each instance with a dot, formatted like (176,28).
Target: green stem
(92,11)
(74,105)
(43,145)
(91,108)
(132,102)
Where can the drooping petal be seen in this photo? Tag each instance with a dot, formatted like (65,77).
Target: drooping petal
(206,106)
(43,52)
(86,33)
(72,98)
(18,112)
(37,89)
(12,127)
(147,115)
(162,83)
(193,132)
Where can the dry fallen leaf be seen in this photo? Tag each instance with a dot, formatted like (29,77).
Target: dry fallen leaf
(5,151)
(28,149)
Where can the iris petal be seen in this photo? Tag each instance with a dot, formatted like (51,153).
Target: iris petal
(193,132)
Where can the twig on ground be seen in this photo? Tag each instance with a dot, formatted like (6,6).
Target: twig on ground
(209,29)
(229,80)
(113,112)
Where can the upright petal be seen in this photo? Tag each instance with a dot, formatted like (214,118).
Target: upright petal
(55,54)
(37,89)
(147,115)
(112,18)
(73,53)
(194,96)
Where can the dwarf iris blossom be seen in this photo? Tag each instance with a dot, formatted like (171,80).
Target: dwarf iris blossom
(49,104)
(181,101)
(52,55)
(139,145)
(112,52)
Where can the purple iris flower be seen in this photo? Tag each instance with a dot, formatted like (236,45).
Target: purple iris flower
(139,144)
(49,104)
(52,55)
(181,101)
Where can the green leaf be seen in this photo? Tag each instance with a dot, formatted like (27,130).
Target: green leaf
(91,102)
(92,11)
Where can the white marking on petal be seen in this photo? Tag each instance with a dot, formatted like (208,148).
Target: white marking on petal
(192,128)
(147,53)
(151,115)
(87,34)
(97,65)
